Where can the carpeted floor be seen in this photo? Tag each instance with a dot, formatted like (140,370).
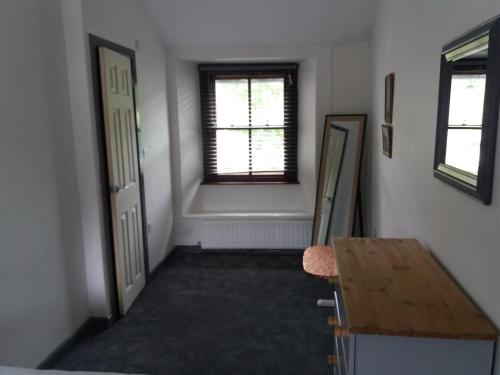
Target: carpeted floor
(217,314)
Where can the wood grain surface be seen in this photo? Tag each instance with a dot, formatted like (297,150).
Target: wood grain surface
(395,287)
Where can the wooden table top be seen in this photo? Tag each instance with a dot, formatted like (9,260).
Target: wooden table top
(395,287)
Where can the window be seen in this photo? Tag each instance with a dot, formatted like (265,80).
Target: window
(249,121)
(465,119)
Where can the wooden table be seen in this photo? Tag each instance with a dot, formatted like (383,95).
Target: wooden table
(399,312)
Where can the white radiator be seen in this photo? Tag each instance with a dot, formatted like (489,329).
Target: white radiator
(255,234)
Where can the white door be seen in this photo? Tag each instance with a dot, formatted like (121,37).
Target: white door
(123,173)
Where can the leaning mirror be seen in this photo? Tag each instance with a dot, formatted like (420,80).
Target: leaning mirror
(338,177)
(468,111)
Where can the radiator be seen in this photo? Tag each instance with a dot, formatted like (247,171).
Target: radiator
(255,234)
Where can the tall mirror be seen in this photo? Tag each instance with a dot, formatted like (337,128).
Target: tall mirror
(338,177)
(468,111)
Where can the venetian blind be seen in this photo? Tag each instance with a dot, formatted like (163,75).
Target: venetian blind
(249,122)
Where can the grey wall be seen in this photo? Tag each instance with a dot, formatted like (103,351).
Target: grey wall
(43,296)
(407,200)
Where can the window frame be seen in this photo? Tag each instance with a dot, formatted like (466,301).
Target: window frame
(209,73)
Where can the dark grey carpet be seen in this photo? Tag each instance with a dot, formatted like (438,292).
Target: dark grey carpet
(217,314)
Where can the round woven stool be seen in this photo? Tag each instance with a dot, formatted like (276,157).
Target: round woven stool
(319,261)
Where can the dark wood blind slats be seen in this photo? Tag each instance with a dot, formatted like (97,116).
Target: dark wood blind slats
(209,73)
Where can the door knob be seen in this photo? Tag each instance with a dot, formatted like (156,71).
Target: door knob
(341,331)
(118,188)
(333,360)
(333,321)
(115,188)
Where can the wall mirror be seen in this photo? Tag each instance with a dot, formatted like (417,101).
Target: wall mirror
(468,111)
(338,177)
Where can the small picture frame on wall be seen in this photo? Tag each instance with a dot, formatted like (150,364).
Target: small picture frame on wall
(389,97)
(387,140)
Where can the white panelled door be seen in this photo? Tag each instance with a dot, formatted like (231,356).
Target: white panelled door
(123,172)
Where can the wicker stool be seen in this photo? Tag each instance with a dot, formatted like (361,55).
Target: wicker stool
(319,261)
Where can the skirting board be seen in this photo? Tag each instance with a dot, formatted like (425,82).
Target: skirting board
(90,327)
(154,272)
(182,249)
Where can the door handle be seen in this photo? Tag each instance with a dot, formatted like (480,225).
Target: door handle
(115,188)
(119,188)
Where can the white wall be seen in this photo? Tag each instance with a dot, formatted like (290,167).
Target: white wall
(124,23)
(332,79)
(407,200)
(225,23)
(52,259)
(189,159)
(351,78)
(43,294)
(352,94)
(53,265)
(195,200)
(308,131)
(86,158)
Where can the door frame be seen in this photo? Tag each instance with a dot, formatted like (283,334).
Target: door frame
(95,42)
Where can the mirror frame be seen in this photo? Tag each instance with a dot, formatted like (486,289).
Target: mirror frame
(479,187)
(361,119)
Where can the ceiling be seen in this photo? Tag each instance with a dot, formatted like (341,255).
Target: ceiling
(261,22)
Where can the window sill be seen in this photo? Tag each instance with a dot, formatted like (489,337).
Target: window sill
(251,215)
(250,183)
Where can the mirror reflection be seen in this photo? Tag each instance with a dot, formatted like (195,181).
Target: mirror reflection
(338,179)
(468,107)
(465,116)
(334,159)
